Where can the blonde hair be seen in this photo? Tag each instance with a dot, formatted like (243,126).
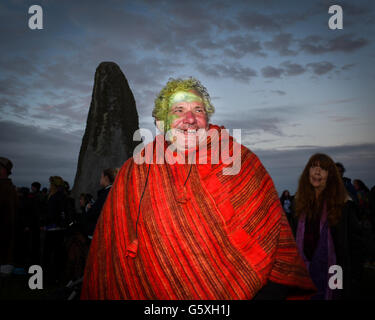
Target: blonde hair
(57,184)
(162,107)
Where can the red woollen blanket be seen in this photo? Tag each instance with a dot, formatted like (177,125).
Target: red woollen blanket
(216,237)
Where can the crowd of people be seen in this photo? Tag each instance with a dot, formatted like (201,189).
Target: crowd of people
(333,222)
(359,195)
(41,226)
(184,231)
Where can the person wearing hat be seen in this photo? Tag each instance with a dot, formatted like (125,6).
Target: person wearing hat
(8,205)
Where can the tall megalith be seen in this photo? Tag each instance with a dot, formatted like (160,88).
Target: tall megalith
(111,123)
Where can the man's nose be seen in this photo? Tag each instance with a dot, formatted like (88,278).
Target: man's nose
(189,117)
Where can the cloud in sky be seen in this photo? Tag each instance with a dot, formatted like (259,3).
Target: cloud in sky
(236,72)
(258,21)
(279,92)
(281,43)
(272,72)
(239,46)
(250,54)
(346,43)
(320,68)
(255,122)
(39,153)
(288,69)
(292,69)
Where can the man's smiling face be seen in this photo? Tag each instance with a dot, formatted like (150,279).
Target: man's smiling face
(189,119)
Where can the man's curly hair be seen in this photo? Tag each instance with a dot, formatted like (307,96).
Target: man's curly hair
(162,107)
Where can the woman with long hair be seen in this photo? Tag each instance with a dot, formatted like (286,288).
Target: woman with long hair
(326,229)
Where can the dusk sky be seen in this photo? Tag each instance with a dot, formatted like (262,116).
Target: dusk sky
(272,68)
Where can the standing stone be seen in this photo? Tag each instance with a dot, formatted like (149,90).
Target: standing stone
(111,123)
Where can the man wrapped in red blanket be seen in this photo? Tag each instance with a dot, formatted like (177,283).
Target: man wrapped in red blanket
(194,215)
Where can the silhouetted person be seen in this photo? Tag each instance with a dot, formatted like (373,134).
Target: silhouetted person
(8,205)
(44,192)
(55,226)
(366,222)
(286,202)
(106,180)
(85,199)
(363,197)
(23,234)
(36,212)
(347,182)
(372,208)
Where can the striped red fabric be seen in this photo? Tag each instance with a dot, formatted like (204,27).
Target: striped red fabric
(218,237)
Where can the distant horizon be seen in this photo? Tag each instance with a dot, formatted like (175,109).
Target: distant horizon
(265,156)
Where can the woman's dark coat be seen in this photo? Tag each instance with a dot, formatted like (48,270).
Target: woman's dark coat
(349,245)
